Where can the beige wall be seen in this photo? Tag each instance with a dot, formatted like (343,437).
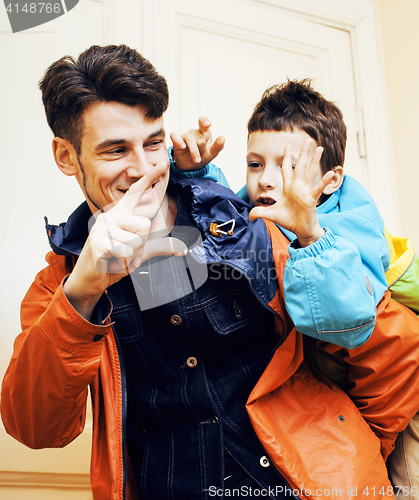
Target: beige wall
(399,33)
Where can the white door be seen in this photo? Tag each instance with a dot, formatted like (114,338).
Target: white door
(219,56)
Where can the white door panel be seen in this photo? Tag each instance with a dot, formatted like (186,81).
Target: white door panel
(218,61)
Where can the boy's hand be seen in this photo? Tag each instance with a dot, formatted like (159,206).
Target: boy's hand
(296,210)
(195,149)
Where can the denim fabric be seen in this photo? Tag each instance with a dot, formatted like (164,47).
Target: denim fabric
(189,366)
(182,413)
(189,363)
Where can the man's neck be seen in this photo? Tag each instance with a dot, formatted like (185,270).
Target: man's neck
(165,217)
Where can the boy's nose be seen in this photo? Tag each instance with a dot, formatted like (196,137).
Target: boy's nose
(266,182)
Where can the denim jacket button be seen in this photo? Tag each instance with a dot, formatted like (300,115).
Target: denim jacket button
(264,462)
(176,320)
(215,420)
(191,362)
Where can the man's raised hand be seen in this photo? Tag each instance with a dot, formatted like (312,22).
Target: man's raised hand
(117,244)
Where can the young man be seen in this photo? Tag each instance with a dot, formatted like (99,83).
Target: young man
(288,118)
(170,356)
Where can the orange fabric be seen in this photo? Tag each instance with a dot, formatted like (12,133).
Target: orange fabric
(318,440)
(383,373)
(313,431)
(55,359)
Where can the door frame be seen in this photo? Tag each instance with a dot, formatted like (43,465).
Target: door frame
(358,18)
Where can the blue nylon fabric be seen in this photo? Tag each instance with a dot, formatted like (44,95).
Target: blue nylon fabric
(350,212)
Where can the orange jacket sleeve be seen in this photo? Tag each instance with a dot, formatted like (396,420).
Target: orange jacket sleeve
(55,358)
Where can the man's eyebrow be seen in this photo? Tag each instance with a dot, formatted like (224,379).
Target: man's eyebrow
(156,134)
(116,142)
(109,143)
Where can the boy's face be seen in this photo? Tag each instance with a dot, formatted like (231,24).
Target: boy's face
(265,153)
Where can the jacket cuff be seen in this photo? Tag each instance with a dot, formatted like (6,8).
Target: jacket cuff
(63,324)
(326,242)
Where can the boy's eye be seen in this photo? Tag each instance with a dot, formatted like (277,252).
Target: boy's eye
(254,164)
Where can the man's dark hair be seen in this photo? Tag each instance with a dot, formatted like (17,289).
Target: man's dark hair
(100,74)
(295,104)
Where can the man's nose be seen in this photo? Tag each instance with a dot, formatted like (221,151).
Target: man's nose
(138,164)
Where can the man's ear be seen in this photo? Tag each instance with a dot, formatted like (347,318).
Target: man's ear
(65,156)
(336,181)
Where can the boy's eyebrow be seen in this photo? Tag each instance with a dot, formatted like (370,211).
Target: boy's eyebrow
(116,142)
(251,153)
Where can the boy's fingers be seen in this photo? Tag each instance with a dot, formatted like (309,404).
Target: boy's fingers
(192,144)
(300,169)
(134,194)
(318,189)
(286,170)
(314,166)
(178,142)
(204,125)
(217,146)
(263,212)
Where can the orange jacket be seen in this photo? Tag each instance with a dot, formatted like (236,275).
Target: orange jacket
(59,354)
(313,431)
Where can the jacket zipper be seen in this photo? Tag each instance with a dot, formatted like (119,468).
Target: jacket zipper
(124,415)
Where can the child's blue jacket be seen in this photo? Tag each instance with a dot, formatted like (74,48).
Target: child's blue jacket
(350,213)
(326,291)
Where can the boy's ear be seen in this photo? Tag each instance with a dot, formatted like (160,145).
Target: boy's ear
(336,181)
(65,156)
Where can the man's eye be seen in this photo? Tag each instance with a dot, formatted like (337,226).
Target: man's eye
(116,151)
(154,144)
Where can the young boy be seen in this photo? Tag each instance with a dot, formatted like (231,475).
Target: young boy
(284,122)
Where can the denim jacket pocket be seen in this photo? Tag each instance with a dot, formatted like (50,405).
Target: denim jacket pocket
(242,325)
(140,364)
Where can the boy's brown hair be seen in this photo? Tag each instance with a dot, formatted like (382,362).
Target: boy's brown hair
(295,104)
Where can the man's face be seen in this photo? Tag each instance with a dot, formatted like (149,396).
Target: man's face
(119,146)
(265,154)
